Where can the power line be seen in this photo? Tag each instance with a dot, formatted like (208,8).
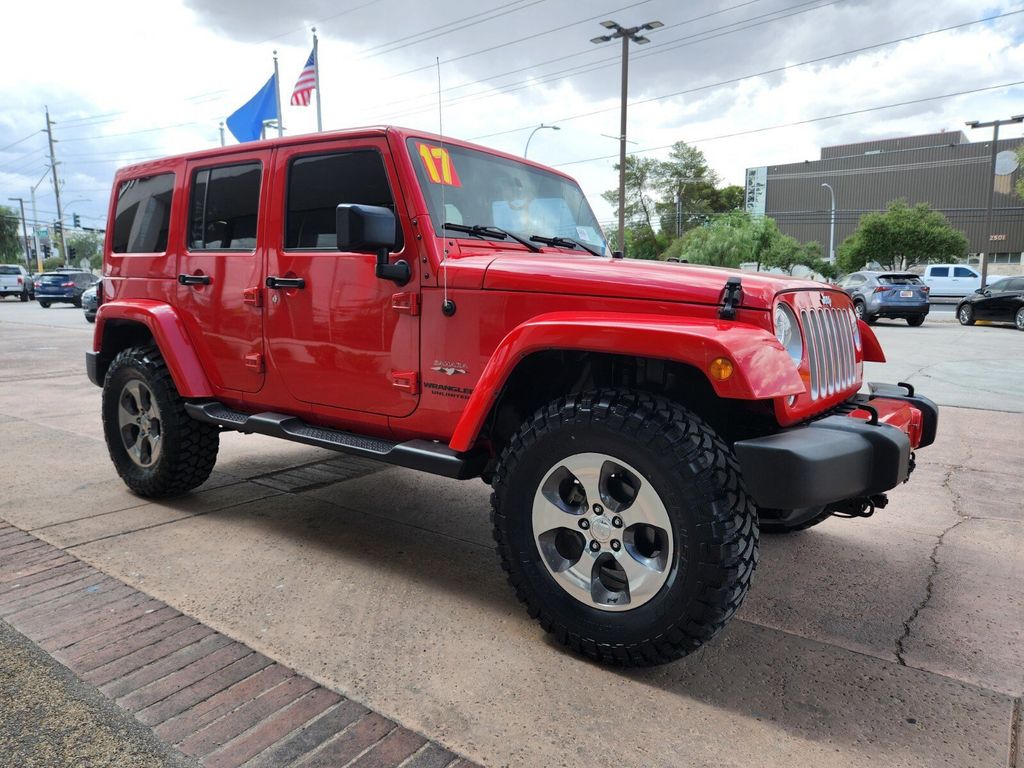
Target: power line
(804,122)
(607,62)
(763,73)
(19,141)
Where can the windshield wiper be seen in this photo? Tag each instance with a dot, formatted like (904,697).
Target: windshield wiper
(565,242)
(480,230)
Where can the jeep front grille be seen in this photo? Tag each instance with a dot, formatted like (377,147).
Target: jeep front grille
(831,357)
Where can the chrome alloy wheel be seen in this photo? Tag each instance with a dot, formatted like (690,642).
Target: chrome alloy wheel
(139,423)
(602,531)
(1019,319)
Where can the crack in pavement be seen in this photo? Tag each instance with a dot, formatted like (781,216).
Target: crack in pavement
(934,557)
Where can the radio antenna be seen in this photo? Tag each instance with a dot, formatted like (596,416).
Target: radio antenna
(447,305)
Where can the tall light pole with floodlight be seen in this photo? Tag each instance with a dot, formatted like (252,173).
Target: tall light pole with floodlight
(994,125)
(617,31)
(832,226)
(526,151)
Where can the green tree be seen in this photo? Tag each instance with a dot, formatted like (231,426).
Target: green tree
(87,245)
(686,189)
(901,237)
(728,198)
(1020,161)
(639,200)
(12,249)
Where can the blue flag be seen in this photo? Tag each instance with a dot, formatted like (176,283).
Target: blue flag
(246,123)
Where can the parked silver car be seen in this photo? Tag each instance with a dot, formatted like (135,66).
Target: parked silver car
(887,294)
(91,301)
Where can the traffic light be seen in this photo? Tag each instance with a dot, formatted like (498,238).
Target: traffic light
(46,250)
(78,221)
(71,252)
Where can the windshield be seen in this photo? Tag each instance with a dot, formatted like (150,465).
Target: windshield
(482,189)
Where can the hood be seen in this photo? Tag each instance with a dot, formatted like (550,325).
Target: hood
(582,274)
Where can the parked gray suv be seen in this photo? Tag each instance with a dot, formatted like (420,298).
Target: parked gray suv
(887,294)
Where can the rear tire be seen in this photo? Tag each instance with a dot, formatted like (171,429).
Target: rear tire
(673,564)
(915,322)
(157,448)
(44,304)
(965,314)
(24,296)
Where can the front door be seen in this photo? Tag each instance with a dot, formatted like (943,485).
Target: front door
(338,335)
(218,292)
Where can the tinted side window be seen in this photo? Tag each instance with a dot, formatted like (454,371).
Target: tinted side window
(940,272)
(316,185)
(963,272)
(854,280)
(223,209)
(143,214)
(1017,284)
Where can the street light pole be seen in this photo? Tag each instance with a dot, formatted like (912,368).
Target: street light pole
(994,125)
(626,34)
(832,226)
(24,231)
(526,151)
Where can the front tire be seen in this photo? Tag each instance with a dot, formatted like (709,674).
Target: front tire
(157,448)
(669,568)
(1018,319)
(44,304)
(965,314)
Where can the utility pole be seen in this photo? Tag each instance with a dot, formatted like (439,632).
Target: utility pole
(24,232)
(994,125)
(626,34)
(35,224)
(832,226)
(56,186)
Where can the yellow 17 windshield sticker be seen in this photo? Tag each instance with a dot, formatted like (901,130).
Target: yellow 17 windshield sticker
(438,164)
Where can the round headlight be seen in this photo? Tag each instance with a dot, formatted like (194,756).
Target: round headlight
(788,332)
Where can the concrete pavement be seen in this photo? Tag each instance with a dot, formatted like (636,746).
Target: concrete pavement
(889,641)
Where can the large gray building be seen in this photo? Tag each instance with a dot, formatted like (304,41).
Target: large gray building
(945,170)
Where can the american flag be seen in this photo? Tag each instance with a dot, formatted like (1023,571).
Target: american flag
(305,84)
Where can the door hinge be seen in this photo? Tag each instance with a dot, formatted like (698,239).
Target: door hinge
(253,296)
(407,302)
(254,362)
(408,381)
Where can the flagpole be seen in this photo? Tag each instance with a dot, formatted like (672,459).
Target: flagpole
(316,78)
(277,91)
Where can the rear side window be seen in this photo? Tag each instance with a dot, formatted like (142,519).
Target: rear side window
(224,205)
(964,272)
(6,269)
(317,185)
(143,214)
(1017,284)
(940,272)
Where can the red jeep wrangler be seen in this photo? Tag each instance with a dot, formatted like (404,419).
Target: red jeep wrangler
(444,307)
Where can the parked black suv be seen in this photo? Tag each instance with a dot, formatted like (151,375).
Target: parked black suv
(65,286)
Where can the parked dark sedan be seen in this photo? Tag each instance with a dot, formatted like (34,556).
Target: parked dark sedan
(1001,301)
(63,286)
(887,294)
(91,301)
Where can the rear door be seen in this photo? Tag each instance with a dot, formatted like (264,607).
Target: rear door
(938,278)
(219,294)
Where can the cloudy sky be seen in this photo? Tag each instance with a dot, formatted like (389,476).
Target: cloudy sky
(744,80)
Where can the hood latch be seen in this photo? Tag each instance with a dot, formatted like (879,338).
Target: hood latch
(732,295)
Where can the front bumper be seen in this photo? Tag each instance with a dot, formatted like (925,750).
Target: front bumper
(842,456)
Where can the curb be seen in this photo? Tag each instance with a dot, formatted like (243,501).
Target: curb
(209,696)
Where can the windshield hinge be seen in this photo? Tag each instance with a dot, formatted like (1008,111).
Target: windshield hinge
(407,302)
(732,295)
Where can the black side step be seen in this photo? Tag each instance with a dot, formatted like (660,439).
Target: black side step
(424,455)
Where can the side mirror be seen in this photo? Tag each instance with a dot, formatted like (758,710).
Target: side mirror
(371,229)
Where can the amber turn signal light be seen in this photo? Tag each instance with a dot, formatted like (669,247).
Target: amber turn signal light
(720,368)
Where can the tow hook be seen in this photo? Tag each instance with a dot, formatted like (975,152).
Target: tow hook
(862,506)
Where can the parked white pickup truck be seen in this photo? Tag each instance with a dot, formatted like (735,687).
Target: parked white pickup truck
(951,279)
(14,281)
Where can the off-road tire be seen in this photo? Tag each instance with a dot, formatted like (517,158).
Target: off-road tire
(775,527)
(713,520)
(965,314)
(915,322)
(189,448)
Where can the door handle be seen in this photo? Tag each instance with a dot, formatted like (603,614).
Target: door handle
(285,282)
(194,279)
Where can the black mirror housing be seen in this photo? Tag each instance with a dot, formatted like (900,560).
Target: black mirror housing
(365,228)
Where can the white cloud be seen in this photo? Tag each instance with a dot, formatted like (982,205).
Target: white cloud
(181,67)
